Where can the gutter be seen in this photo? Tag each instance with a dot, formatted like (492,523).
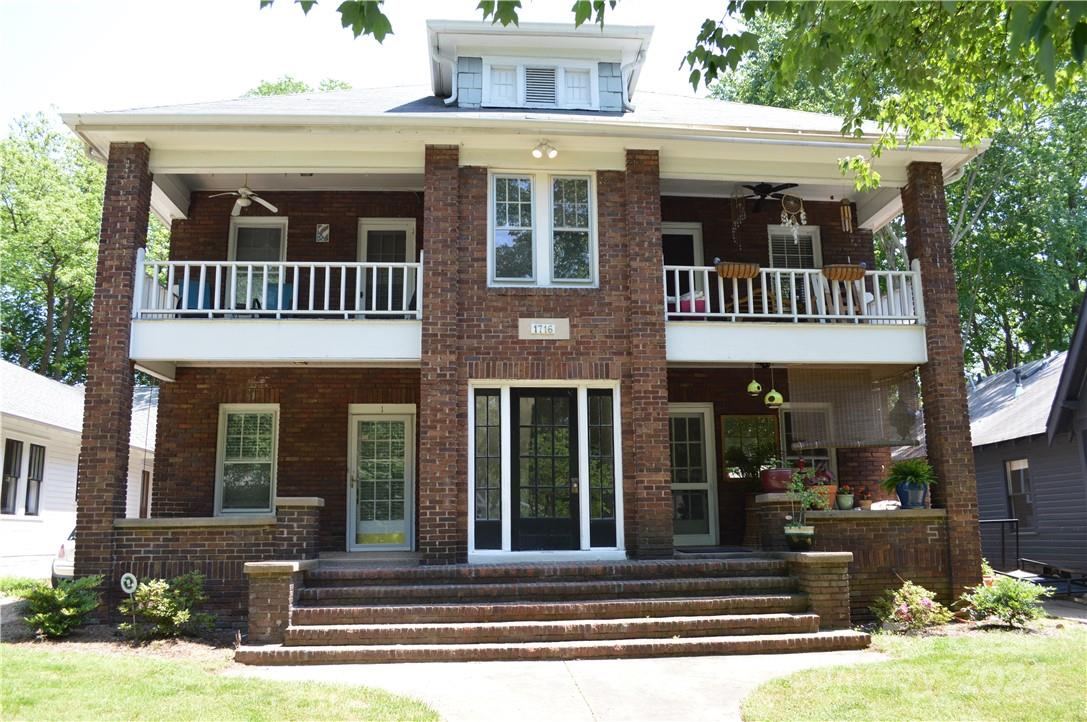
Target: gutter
(638,60)
(438,58)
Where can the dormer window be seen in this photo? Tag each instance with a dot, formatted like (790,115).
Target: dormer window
(533,83)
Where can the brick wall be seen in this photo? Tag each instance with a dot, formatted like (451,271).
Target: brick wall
(107,406)
(313,432)
(217,552)
(943,384)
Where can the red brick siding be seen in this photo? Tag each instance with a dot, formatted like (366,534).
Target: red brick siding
(107,410)
(313,433)
(943,385)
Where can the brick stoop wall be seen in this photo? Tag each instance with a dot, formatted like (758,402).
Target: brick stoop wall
(218,548)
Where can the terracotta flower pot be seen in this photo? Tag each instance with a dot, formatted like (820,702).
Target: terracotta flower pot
(828,492)
(775,481)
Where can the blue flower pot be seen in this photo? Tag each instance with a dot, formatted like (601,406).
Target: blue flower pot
(912,495)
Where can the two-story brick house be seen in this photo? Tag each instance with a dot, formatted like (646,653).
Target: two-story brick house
(480,323)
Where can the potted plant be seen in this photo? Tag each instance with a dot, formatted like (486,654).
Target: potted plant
(864,497)
(775,477)
(821,481)
(798,535)
(844,499)
(910,479)
(988,576)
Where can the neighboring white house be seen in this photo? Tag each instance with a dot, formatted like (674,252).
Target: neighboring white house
(41,422)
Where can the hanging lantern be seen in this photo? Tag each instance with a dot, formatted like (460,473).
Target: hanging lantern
(754,388)
(846,210)
(773,399)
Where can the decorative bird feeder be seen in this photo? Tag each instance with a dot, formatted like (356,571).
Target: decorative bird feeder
(773,399)
(754,388)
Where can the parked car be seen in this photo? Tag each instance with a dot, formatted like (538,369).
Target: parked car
(64,562)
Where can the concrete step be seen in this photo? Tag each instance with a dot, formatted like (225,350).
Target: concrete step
(544,590)
(568,610)
(582,649)
(550,631)
(339,574)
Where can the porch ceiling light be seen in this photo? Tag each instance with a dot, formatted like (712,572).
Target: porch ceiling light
(543,148)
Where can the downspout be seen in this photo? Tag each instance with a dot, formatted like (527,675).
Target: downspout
(437,57)
(638,59)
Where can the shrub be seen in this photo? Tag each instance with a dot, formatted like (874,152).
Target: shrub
(161,608)
(909,608)
(1012,601)
(18,587)
(56,611)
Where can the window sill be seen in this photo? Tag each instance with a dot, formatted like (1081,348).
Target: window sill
(33,518)
(528,289)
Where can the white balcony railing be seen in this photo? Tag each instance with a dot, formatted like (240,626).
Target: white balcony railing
(294,289)
(793,294)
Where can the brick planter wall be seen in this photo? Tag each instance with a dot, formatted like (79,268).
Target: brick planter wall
(218,548)
(825,578)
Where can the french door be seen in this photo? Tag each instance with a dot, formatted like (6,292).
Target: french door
(381,484)
(545,484)
(694,474)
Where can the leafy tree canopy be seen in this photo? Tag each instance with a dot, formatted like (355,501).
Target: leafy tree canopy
(289,85)
(50,214)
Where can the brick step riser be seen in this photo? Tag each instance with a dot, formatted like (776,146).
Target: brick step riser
(326,577)
(572,632)
(756,644)
(539,591)
(614,609)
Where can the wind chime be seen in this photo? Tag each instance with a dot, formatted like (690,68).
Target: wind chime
(739,214)
(845,209)
(793,214)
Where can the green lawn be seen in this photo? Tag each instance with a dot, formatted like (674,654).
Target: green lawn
(45,685)
(994,675)
(18,586)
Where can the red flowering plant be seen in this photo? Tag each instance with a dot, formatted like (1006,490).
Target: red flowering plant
(845,489)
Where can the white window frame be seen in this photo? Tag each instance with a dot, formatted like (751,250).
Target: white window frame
(832,451)
(356,413)
(1020,463)
(506,553)
(560,66)
(23,482)
(220,454)
(542,231)
(257,222)
(813,231)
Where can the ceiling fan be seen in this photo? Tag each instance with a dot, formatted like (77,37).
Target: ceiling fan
(765,190)
(245,199)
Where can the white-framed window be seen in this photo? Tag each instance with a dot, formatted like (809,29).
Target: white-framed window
(813,458)
(253,240)
(1020,497)
(13,473)
(245,479)
(539,83)
(804,250)
(542,229)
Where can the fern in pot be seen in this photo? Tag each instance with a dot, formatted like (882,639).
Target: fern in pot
(910,479)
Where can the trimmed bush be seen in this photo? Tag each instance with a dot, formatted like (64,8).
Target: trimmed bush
(1013,602)
(56,611)
(910,608)
(160,608)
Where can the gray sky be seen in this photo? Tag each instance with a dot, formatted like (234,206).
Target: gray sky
(84,55)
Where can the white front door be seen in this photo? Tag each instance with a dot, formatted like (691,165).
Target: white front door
(381,482)
(694,474)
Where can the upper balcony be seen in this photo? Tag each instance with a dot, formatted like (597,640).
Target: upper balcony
(229,312)
(840,313)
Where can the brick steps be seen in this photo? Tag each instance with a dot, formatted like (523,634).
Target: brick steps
(343,574)
(568,610)
(551,630)
(592,589)
(582,649)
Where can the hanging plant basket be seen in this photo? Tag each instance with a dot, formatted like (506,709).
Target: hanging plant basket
(844,272)
(737,269)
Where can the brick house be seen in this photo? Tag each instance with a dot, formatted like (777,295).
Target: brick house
(474,327)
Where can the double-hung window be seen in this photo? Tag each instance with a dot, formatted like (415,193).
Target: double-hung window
(13,468)
(35,475)
(1020,498)
(248,441)
(542,230)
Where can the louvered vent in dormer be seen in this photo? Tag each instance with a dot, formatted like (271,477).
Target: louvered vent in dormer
(540,86)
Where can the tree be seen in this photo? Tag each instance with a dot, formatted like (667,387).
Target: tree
(50,214)
(289,85)
(921,70)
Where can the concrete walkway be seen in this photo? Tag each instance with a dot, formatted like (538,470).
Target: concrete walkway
(676,688)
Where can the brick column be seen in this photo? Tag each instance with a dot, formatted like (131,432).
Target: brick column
(107,406)
(443,531)
(648,374)
(943,386)
(824,577)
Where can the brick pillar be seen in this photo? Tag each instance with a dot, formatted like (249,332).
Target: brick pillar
(943,386)
(443,531)
(107,405)
(648,372)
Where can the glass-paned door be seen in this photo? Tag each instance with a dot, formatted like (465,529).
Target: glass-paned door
(545,485)
(382,482)
(257,245)
(381,241)
(693,496)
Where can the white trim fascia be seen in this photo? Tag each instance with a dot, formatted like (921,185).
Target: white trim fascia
(220,451)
